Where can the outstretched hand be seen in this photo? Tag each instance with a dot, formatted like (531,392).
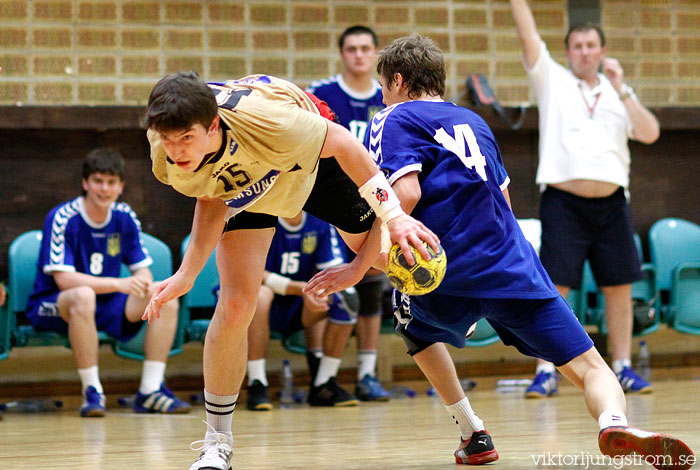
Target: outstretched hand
(333,279)
(406,231)
(173,287)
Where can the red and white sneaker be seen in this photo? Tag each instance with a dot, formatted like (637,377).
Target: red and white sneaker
(476,450)
(662,451)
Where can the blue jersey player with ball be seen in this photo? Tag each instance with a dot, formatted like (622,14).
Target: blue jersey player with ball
(443,163)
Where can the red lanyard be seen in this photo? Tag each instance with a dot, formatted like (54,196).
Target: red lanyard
(591,108)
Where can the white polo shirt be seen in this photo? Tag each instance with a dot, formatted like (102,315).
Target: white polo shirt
(583,131)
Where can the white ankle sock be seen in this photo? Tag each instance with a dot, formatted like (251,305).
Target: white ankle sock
(219,411)
(326,369)
(612,418)
(366,363)
(619,364)
(465,417)
(152,376)
(90,376)
(546,367)
(256,371)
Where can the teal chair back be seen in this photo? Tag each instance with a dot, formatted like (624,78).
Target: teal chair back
(674,245)
(162,268)
(671,242)
(201,296)
(22,260)
(685,298)
(22,268)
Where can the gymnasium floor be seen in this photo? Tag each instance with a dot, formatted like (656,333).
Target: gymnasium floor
(407,434)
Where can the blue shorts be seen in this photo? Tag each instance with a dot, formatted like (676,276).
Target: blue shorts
(109,316)
(543,328)
(599,229)
(285,313)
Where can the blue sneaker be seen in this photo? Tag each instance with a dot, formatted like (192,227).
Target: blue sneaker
(631,382)
(369,389)
(93,403)
(544,385)
(160,401)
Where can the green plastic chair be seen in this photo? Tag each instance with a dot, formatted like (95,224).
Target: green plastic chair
(23,259)
(22,269)
(674,245)
(162,268)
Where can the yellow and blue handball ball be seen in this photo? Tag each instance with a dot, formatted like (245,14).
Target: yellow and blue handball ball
(421,278)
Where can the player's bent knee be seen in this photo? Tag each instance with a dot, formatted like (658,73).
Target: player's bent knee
(77,302)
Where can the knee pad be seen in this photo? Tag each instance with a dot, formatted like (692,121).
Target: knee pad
(371,294)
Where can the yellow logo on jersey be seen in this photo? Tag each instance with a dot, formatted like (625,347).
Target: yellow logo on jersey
(308,244)
(114,244)
(371,111)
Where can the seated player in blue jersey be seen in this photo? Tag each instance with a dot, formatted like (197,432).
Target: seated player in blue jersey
(444,165)
(78,289)
(355,96)
(301,246)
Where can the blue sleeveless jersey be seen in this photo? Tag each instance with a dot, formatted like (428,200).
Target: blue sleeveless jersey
(71,242)
(354,111)
(298,252)
(462,177)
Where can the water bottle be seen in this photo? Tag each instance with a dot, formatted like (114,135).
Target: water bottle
(643,362)
(512,385)
(31,405)
(286,385)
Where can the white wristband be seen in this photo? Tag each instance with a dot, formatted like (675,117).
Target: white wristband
(380,197)
(277,283)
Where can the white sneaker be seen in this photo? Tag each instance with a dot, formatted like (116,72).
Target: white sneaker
(216,448)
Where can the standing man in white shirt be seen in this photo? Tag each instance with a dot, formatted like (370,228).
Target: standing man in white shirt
(586,118)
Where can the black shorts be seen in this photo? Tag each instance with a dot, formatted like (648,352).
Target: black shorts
(333,199)
(575,228)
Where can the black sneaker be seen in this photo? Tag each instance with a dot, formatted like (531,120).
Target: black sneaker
(331,394)
(258,397)
(476,450)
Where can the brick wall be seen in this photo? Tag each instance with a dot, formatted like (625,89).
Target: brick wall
(71,52)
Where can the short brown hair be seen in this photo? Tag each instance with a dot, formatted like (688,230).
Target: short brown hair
(419,61)
(105,160)
(582,28)
(178,101)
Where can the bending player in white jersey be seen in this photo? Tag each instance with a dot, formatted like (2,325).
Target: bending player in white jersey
(256,147)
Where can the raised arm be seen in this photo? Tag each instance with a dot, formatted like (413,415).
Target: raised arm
(527,31)
(646,126)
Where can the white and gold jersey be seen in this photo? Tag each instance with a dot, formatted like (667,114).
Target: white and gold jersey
(273,135)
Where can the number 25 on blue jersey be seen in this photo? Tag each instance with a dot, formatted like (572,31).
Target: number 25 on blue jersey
(463,133)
